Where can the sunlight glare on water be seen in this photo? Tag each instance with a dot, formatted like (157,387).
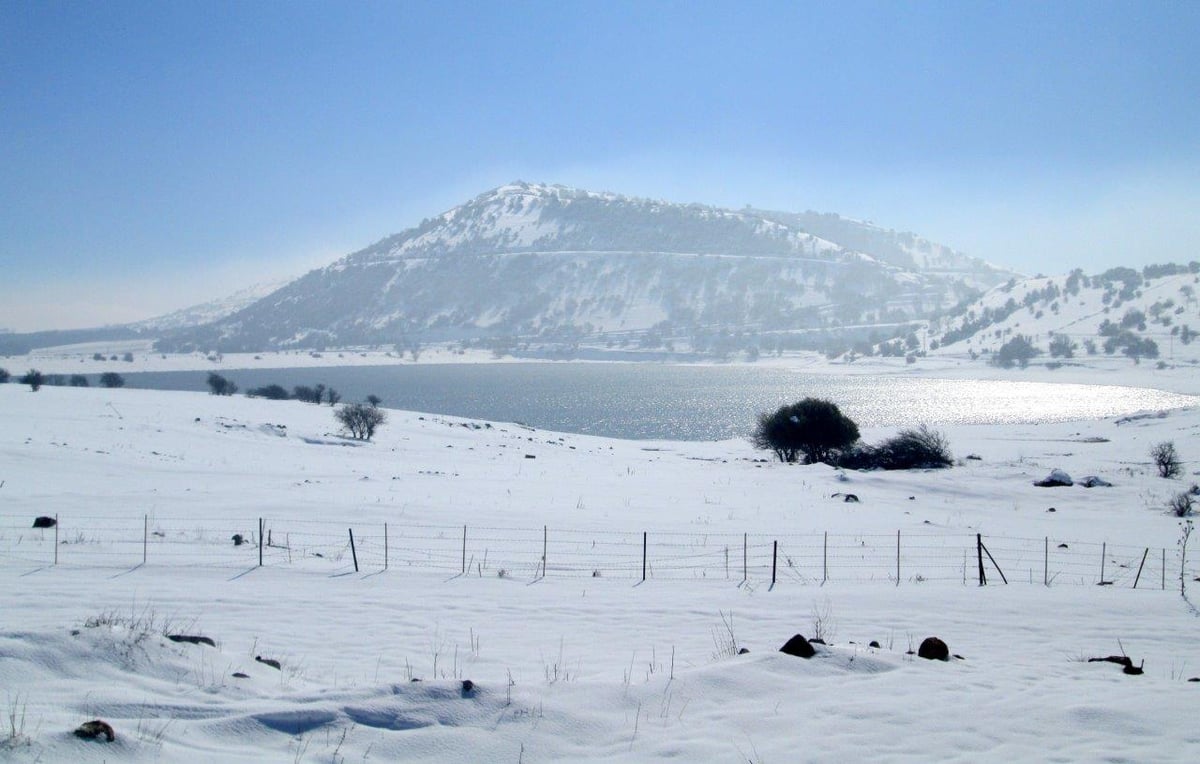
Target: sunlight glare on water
(688,402)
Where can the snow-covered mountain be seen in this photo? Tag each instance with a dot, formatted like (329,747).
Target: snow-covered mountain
(558,265)
(1149,313)
(207,312)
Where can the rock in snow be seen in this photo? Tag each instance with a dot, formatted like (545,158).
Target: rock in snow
(1056,478)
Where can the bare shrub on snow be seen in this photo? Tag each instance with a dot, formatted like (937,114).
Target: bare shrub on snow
(1166,459)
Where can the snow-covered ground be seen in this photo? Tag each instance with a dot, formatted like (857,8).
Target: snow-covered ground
(566,664)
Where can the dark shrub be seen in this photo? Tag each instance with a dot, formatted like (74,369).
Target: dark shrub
(218,385)
(270,392)
(360,419)
(812,427)
(34,378)
(922,448)
(78,380)
(1166,459)
(111,379)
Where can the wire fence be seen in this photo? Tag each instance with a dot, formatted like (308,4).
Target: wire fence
(531,553)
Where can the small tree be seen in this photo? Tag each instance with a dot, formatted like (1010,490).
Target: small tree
(333,396)
(813,427)
(78,380)
(34,378)
(1016,352)
(218,385)
(360,419)
(111,379)
(1181,504)
(1166,459)
(374,400)
(1061,346)
(4,376)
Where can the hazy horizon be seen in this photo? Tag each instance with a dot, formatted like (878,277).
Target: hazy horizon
(159,156)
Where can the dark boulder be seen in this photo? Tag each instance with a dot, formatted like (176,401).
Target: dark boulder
(1091,481)
(933,649)
(1055,479)
(94,729)
(799,647)
(269,662)
(44,522)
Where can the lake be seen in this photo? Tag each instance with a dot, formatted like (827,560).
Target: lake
(645,401)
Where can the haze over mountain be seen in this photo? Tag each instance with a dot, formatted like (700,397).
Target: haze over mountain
(532,262)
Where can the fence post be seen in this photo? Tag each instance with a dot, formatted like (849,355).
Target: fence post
(56,550)
(545,547)
(979,554)
(464,555)
(1103,554)
(1138,577)
(825,559)
(746,558)
(1046,563)
(1164,568)
(353,553)
(774,559)
(145,536)
(897,557)
(260,541)
(643,555)
(385,547)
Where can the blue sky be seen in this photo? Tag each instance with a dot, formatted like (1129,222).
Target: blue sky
(159,154)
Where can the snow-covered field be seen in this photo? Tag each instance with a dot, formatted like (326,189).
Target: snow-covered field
(569,665)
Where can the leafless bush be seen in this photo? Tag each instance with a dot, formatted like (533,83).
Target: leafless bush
(1166,459)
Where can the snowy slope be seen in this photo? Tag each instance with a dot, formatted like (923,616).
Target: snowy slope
(568,666)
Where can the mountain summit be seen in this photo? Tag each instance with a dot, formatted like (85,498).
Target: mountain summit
(539,263)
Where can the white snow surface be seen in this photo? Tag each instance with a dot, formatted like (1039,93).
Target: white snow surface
(567,666)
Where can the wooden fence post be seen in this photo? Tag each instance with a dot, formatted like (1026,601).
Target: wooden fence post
(260,541)
(464,553)
(825,559)
(385,547)
(746,558)
(1138,577)
(545,547)
(1164,569)
(56,548)
(979,554)
(1103,554)
(1046,563)
(774,559)
(643,555)
(897,558)
(353,553)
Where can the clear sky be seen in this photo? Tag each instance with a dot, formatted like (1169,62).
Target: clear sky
(158,154)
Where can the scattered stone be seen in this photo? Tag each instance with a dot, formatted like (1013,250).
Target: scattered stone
(193,640)
(933,649)
(240,675)
(1055,479)
(94,729)
(816,641)
(874,643)
(1052,509)
(975,457)
(238,540)
(1134,670)
(1194,679)
(799,647)
(44,522)
(1091,481)
(1063,546)
(850,498)
(468,686)
(530,456)
(269,662)
(743,650)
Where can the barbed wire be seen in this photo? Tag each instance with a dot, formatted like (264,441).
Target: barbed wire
(535,552)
